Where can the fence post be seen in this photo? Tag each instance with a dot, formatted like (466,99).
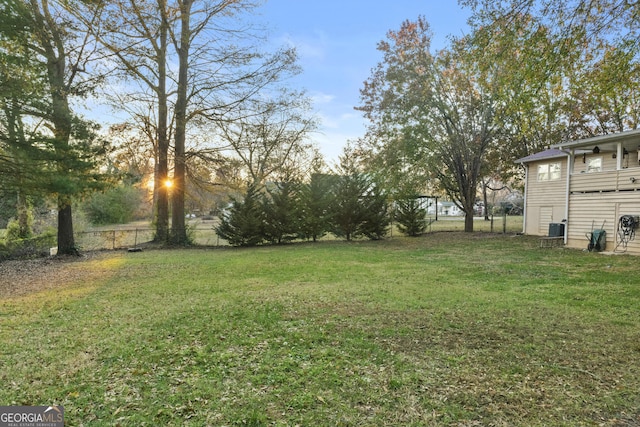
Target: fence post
(504,222)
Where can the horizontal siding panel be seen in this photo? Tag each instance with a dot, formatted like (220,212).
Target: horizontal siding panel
(545,194)
(596,198)
(545,200)
(622,180)
(629,179)
(590,210)
(596,181)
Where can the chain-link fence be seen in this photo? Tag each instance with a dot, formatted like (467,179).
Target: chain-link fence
(133,238)
(113,239)
(203,233)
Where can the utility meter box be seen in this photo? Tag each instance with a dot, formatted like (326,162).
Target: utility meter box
(556,229)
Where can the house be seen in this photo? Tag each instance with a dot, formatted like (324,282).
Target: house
(576,187)
(444,208)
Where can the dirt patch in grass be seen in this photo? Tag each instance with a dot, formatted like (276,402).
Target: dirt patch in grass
(23,277)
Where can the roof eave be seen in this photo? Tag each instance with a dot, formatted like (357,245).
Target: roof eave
(613,138)
(544,155)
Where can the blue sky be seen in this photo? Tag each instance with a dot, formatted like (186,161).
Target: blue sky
(336,42)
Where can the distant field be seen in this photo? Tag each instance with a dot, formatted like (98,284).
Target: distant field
(203,232)
(509,224)
(449,329)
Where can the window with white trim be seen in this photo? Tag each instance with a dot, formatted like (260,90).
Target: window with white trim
(594,164)
(549,172)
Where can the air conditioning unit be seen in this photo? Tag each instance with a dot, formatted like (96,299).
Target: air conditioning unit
(556,229)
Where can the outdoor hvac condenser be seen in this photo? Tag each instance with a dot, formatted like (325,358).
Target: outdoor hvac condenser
(556,229)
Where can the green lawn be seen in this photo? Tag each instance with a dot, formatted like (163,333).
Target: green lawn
(447,329)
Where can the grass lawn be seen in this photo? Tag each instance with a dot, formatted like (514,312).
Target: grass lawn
(445,330)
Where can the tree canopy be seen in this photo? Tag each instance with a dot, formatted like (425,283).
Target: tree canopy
(43,57)
(199,64)
(528,75)
(434,110)
(207,101)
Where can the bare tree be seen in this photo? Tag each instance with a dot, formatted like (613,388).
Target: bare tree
(270,135)
(199,61)
(137,35)
(218,71)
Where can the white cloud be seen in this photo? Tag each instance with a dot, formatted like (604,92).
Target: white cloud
(337,127)
(320,98)
(350,116)
(328,121)
(331,143)
(309,48)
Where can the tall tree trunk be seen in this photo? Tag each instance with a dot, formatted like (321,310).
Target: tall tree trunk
(485,198)
(468,203)
(468,221)
(50,38)
(178,230)
(162,167)
(61,119)
(66,242)
(62,123)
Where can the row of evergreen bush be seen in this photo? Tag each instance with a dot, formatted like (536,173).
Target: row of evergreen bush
(349,207)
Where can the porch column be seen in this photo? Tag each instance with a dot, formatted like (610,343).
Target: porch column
(619,156)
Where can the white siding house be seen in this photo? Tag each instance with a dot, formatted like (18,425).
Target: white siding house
(586,184)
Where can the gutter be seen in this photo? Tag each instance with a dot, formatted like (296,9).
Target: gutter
(524,208)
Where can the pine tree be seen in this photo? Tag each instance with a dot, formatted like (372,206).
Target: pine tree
(47,148)
(410,217)
(243,224)
(375,223)
(346,210)
(357,208)
(281,212)
(315,199)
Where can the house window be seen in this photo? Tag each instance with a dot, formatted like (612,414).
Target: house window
(549,172)
(594,164)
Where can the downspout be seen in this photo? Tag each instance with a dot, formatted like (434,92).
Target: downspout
(524,207)
(570,160)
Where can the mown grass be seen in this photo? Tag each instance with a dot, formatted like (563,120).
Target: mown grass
(446,329)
